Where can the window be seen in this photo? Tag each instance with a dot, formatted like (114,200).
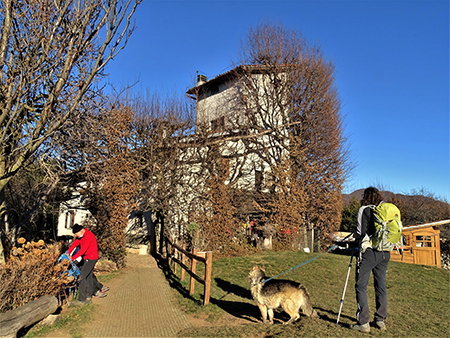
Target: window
(258,180)
(70,219)
(218,124)
(424,241)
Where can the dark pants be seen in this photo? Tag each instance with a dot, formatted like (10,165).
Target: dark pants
(377,263)
(97,286)
(88,284)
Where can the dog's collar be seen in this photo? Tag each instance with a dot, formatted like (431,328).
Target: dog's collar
(256,282)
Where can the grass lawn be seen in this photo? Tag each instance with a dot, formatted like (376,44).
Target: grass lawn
(419,298)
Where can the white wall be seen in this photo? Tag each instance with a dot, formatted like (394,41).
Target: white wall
(69,215)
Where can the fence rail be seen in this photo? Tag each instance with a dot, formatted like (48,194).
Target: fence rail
(178,254)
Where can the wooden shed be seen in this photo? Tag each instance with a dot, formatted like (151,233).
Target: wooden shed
(422,245)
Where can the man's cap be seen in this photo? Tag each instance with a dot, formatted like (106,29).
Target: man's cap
(77,228)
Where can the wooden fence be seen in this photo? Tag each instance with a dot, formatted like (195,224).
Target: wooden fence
(178,255)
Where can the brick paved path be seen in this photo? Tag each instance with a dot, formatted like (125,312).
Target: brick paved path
(139,304)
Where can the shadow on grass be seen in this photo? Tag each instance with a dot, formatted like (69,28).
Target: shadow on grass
(240,309)
(233,288)
(243,306)
(173,280)
(331,316)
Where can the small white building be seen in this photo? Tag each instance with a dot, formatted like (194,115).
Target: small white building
(72,212)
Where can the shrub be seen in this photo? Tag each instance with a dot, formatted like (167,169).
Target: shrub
(32,271)
(349,215)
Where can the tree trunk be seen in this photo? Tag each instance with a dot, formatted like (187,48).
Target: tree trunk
(2,253)
(12,321)
(3,227)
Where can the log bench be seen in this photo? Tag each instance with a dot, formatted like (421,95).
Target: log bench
(28,314)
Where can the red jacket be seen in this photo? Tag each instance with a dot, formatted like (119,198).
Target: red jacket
(88,246)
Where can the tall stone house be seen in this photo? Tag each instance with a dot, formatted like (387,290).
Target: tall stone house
(224,108)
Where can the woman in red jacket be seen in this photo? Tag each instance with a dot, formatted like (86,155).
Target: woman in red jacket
(88,250)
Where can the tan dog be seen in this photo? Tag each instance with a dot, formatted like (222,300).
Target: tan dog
(290,296)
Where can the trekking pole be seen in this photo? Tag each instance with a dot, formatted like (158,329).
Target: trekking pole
(345,287)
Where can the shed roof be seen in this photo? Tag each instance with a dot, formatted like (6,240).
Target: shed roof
(426,225)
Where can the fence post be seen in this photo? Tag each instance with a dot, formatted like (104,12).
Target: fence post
(176,255)
(183,260)
(193,266)
(169,250)
(208,268)
(152,232)
(160,221)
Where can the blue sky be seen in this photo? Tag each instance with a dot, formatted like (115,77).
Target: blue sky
(391,62)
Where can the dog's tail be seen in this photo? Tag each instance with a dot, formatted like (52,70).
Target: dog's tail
(306,305)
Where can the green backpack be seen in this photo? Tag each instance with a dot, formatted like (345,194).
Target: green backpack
(388,227)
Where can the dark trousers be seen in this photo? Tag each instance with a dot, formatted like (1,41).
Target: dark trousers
(377,263)
(88,283)
(96,284)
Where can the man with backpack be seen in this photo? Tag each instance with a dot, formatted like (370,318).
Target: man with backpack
(378,229)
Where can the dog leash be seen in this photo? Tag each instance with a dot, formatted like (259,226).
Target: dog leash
(295,267)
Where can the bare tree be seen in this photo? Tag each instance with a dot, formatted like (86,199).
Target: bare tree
(291,105)
(51,55)
(32,199)
(112,181)
(134,139)
(274,146)
(420,206)
(273,125)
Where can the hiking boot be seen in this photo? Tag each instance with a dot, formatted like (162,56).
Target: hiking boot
(362,327)
(104,289)
(99,294)
(381,325)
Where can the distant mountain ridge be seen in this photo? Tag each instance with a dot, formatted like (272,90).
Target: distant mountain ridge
(387,195)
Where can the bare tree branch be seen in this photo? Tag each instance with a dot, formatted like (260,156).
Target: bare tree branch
(51,54)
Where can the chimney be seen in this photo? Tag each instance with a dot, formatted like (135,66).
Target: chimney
(201,79)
